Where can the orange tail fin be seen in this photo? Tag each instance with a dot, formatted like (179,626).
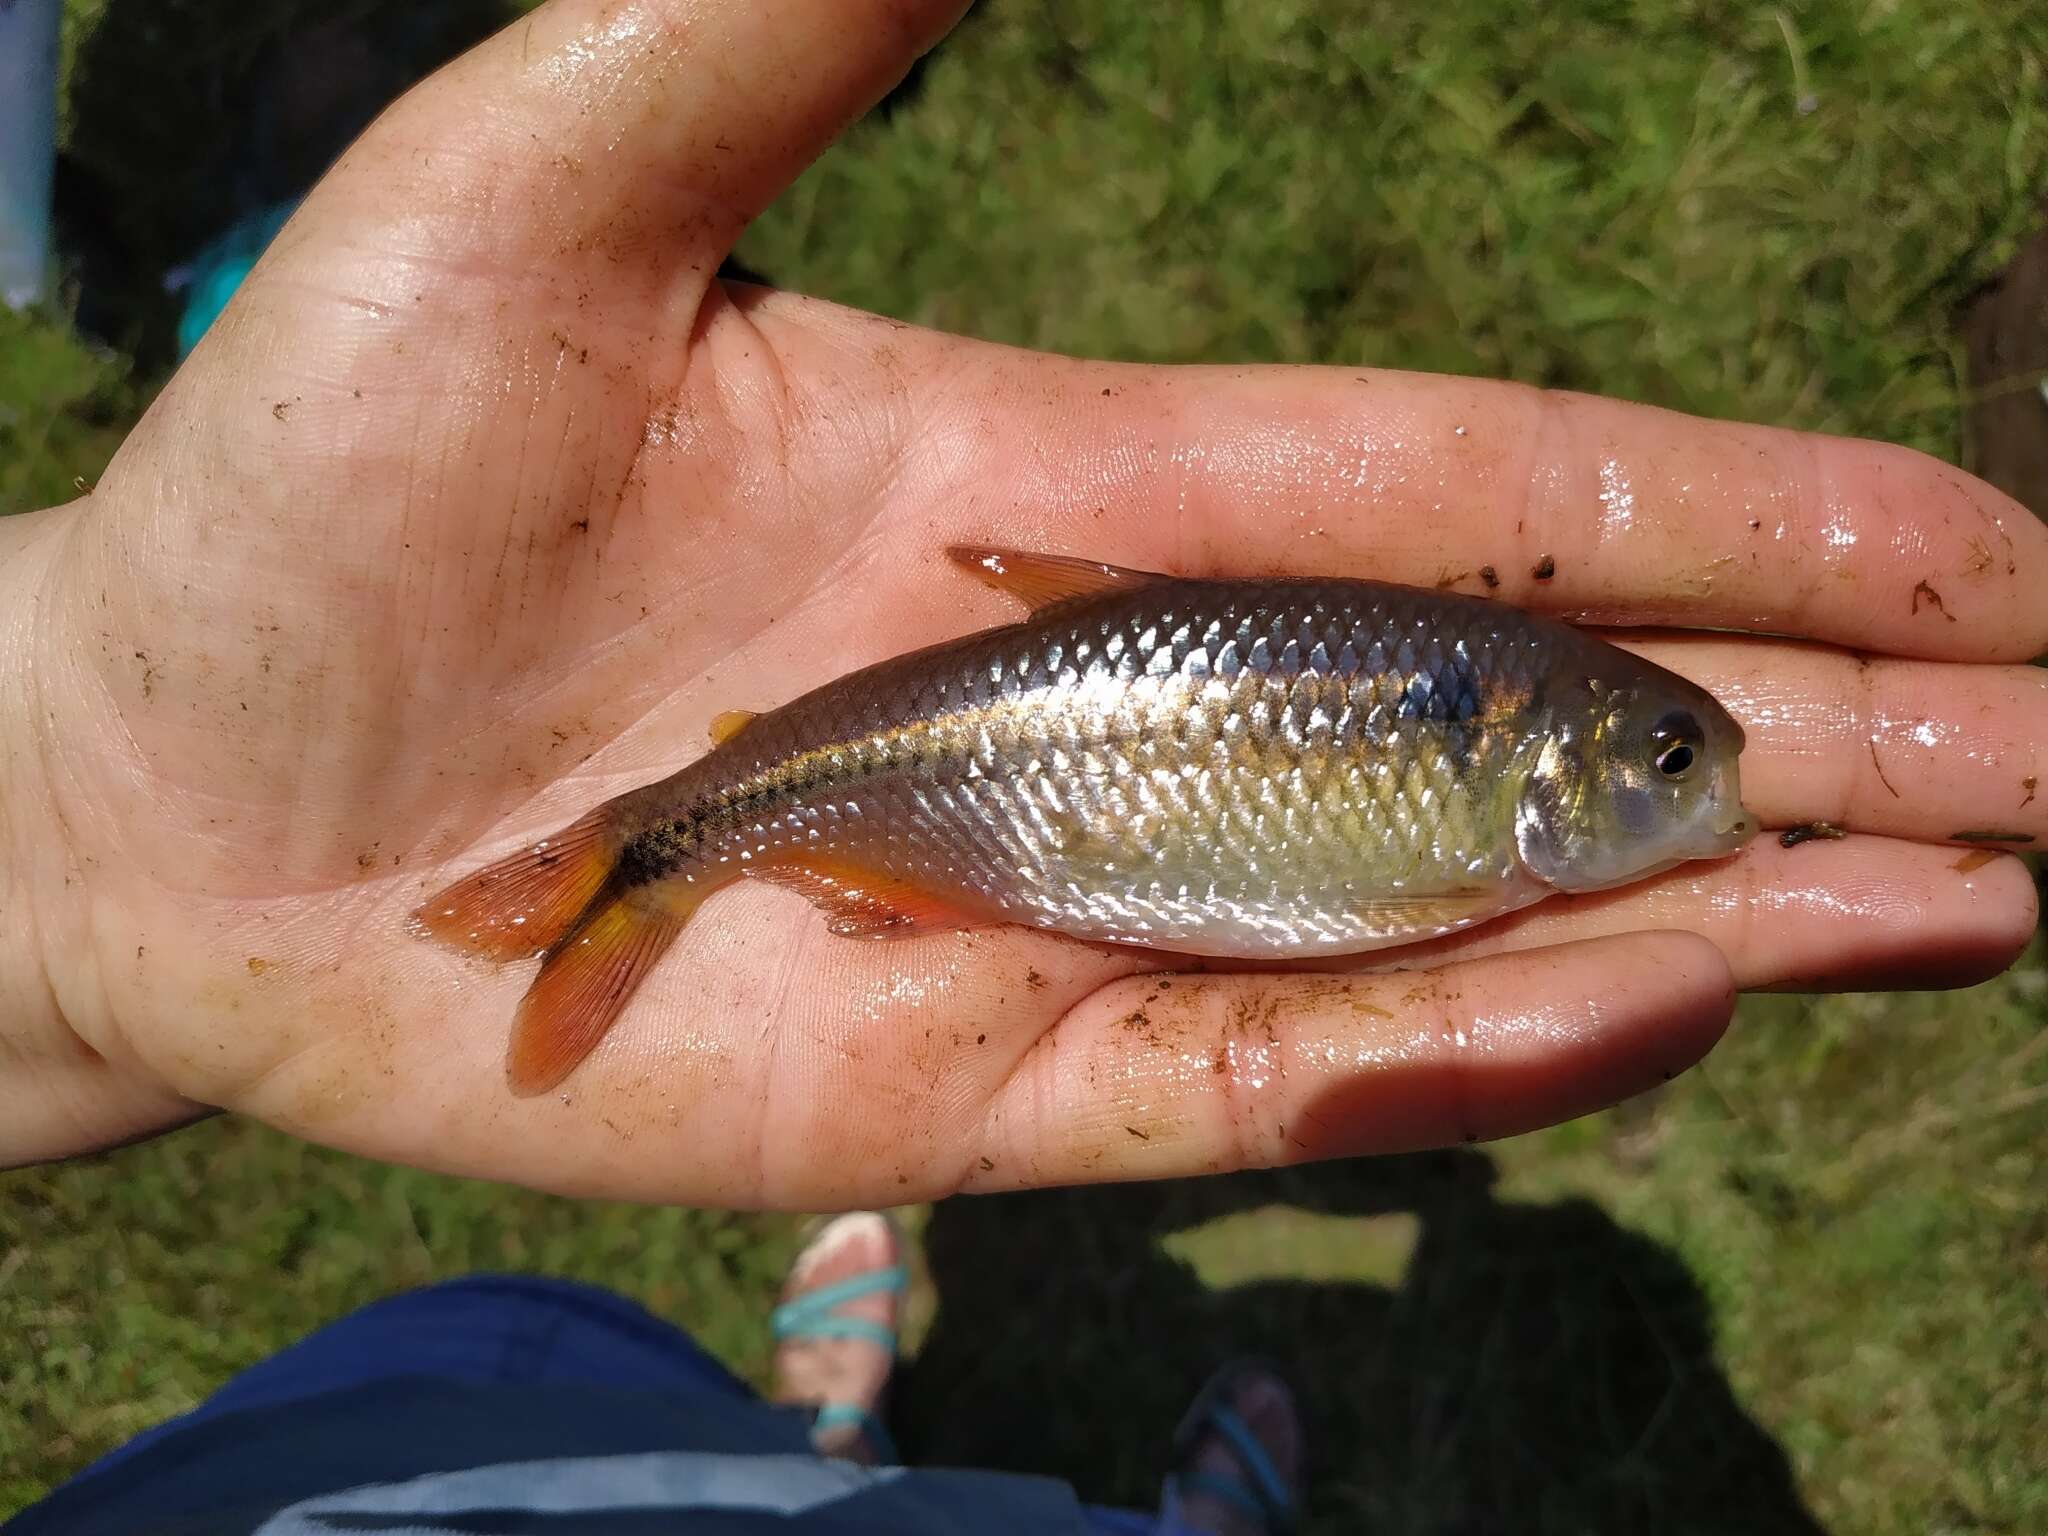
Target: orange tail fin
(596,940)
(583,983)
(526,902)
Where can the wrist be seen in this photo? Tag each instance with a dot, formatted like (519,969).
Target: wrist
(28,544)
(62,1091)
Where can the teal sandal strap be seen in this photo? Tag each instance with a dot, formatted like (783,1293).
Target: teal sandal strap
(1262,1494)
(809,1315)
(1267,1486)
(838,1415)
(841,1328)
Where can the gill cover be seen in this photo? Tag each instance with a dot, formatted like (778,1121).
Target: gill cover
(1543,817)
(1631,781)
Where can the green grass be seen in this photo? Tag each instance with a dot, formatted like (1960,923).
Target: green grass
(1802,1288)
(65,405)
(1615,195)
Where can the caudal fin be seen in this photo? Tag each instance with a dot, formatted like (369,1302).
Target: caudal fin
(526,902)
(583,983)
(596,941)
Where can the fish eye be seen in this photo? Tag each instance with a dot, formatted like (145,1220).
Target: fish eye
(1675,743)
(1674,760)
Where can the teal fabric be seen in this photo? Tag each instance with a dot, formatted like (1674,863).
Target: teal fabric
(217,271)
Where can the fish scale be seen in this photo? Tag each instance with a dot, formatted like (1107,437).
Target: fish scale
(1149,768)
(1230,768)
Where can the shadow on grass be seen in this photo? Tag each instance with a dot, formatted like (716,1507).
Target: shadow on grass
(1528,1369)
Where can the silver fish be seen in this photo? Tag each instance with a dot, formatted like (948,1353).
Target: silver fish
(1259,768)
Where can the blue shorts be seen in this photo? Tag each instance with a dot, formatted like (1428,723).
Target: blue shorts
(520,1401)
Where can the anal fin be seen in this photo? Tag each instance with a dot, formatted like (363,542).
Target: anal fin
(861,903)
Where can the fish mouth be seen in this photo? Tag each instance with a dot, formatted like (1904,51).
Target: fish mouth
(1734,835)
(1733,825)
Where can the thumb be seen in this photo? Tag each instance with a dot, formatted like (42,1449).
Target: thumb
(648,129)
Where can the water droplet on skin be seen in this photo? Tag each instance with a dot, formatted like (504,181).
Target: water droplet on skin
(1617,498)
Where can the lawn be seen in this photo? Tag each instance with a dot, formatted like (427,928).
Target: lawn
(1804,1288)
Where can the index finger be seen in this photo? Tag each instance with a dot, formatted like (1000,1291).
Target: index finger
(1594,509)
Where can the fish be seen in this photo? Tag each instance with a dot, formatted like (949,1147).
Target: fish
(1233,768)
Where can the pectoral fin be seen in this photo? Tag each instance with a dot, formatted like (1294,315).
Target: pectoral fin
(730,723)
(1420,916)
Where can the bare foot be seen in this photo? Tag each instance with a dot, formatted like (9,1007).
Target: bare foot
(842,1372)
(1265,1407)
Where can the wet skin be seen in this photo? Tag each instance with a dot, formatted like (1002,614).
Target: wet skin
(485,497)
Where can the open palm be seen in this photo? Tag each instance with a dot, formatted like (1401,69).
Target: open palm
(485,496)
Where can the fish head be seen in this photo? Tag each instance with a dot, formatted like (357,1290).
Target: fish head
(1637,773)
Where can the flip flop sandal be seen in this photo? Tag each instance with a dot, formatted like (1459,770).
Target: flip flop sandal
(1261,1494)
(810,1316)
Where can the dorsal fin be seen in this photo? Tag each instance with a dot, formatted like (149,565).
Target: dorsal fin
(729,723)
(1042,580)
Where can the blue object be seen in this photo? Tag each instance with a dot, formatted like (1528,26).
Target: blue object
(810,1316)
(516,1403)
(1263,1496)
(211,278)
(28,145)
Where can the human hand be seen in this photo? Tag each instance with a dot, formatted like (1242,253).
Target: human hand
(485,496)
